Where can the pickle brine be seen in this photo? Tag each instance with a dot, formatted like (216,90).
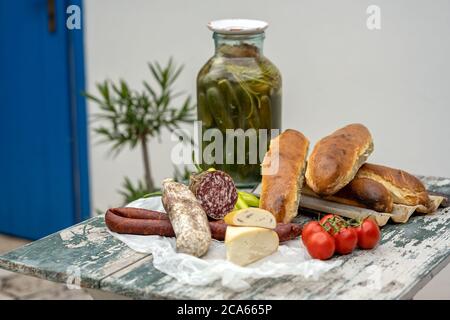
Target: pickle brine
(238,88)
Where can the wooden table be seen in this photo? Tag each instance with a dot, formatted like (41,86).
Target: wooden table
(408,257)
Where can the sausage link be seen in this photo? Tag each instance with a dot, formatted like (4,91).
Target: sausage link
(121,224)
(218,229)
(288,231)
(163,227)
(137,213)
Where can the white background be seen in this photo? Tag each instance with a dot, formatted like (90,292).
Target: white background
(335,71)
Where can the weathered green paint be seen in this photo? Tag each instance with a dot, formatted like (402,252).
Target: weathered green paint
(408,256)
(87,246)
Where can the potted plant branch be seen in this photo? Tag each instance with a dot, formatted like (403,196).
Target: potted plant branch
(134,117)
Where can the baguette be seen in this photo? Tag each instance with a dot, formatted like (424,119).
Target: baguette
(282,175)
(336,158)
(404,187)
(363,193)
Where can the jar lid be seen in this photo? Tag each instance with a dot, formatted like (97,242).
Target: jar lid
(238,26)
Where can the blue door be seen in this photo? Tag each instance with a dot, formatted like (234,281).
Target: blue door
(43,143)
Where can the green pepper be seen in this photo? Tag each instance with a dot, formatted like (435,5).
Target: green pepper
(249,198)
(240,204)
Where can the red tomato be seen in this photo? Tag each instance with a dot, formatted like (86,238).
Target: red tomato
(368,234)
(332,223)
(310,228)
(346,240)
(320,245)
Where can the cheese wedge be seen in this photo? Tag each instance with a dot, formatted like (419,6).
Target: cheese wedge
(249,244)
(251,217)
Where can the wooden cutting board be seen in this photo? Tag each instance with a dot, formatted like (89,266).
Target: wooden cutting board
(400,213)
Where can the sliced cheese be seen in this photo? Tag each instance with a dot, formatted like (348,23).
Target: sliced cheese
(249,244)
(251,217)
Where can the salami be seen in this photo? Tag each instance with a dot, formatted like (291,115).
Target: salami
(137,213)
(288,231)
(218,229)
(216,192)
(140,226)
(157,223)
(189,220)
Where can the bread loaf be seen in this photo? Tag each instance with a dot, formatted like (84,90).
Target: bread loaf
(282,175)
(404,187)
(336,158)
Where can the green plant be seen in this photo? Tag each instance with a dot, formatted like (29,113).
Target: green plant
(182,174)
(130,192)
(132,117)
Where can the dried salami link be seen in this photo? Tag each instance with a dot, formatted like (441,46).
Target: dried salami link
(121,224)
(218,229)
(150,226)
(137,213)
(163,227)
(288,231)
(188,218)
(216,192)
(285,231)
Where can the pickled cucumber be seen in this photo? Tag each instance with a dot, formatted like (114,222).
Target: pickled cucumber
(203,112)
(265,112)
(232,102)
(218,109)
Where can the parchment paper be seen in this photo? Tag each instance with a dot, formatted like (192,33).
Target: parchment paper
(290,259)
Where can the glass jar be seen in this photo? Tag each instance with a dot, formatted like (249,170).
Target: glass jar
(239,88)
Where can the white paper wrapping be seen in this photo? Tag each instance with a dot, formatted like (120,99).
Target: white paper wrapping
(290,259)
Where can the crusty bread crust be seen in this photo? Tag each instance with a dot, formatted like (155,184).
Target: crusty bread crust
(280,191)
(336,158)
(404,187)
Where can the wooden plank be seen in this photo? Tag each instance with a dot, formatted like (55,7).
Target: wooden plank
(85,250)
(400,213)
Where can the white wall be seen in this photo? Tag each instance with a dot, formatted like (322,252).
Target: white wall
(335,71)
